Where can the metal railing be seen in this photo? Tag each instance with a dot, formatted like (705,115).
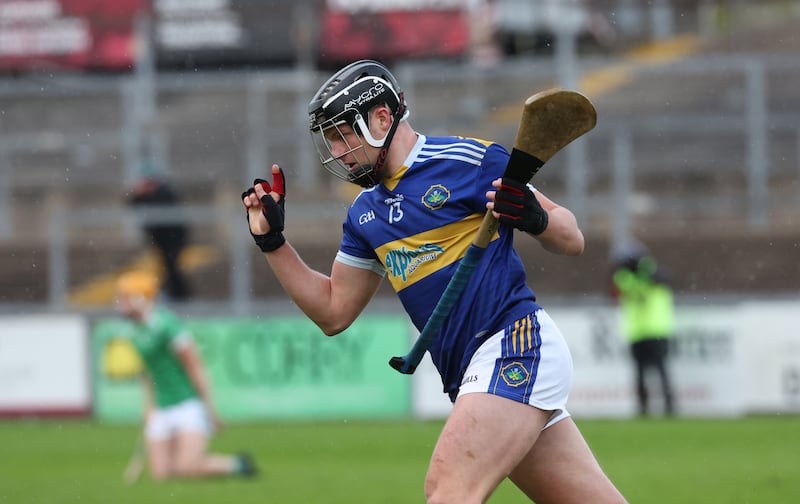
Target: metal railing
(273,126)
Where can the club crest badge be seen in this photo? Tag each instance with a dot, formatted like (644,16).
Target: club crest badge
(514,374)
(435,197)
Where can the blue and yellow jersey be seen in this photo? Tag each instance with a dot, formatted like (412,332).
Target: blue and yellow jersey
(417,226)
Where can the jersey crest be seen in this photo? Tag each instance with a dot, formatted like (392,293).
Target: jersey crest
(435,197)
(514,374)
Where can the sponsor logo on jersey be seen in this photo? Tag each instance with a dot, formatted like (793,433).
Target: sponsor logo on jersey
(514,374)
(403,262)
(469,379)
(392,201)
(366,217)
(435,197)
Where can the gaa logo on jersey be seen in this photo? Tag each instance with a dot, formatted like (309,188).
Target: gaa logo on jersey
(366,217)
(514,374)
(435,197)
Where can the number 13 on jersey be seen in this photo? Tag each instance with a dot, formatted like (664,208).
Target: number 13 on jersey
(395,212)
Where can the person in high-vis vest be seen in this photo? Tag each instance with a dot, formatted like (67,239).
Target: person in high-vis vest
(648,322)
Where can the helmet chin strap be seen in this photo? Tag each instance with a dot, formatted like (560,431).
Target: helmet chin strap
(371,173)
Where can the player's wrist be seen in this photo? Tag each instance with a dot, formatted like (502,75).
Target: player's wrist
(538,223)
(269,242)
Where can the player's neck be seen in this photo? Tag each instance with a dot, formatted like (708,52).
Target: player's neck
(403,142)
(144,313)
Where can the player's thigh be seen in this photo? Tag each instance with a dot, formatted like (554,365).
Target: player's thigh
(516,382)
(190,449)
(177,437)
(192,433)
(561,468)
(158,433)
(159,457)
(484,437)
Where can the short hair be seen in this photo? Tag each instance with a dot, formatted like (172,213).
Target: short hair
(139,283)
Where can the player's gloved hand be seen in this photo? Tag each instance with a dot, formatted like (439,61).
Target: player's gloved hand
(518,207)
(265,216)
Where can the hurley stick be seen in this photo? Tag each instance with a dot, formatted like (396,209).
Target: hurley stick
(551,119)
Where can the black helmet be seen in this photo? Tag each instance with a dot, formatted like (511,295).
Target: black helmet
(346,98)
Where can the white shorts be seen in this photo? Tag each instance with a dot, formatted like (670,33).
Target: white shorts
(187,416)
(528,362)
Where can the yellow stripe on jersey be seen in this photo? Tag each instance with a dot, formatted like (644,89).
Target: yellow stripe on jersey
(487,143)
(514,338)
(527,335)
(522,333)
(391,183)
(413,258)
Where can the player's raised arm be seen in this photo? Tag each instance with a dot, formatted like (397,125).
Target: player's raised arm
(332,302)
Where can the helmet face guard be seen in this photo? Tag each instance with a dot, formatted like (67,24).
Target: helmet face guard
(347,99)
(360,171)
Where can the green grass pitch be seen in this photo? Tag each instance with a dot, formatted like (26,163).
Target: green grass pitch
(751,460)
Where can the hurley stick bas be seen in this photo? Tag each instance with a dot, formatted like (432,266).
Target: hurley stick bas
(136,462)
(551,119)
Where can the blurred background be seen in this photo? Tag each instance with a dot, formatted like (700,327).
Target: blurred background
(696,157)
(696,151)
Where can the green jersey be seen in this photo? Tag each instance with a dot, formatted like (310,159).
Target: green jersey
(157,339)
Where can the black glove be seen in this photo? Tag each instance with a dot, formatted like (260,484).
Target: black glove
(273,211)
(519,208)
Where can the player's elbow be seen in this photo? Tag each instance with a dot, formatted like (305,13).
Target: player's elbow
(332,328)
(569,244)
(331,331)
(575,246)
(331,321)
(562,235)
(336,318)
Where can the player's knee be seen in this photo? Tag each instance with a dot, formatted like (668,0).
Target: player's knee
(430,488)
(187,469)
(439,491)
(160,473)
(440,497)
(434,490)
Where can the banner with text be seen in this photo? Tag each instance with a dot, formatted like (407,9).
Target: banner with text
(282,367)
(718,367)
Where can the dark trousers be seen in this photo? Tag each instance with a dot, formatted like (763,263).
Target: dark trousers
(175,284)
(652,353)
(170,242)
